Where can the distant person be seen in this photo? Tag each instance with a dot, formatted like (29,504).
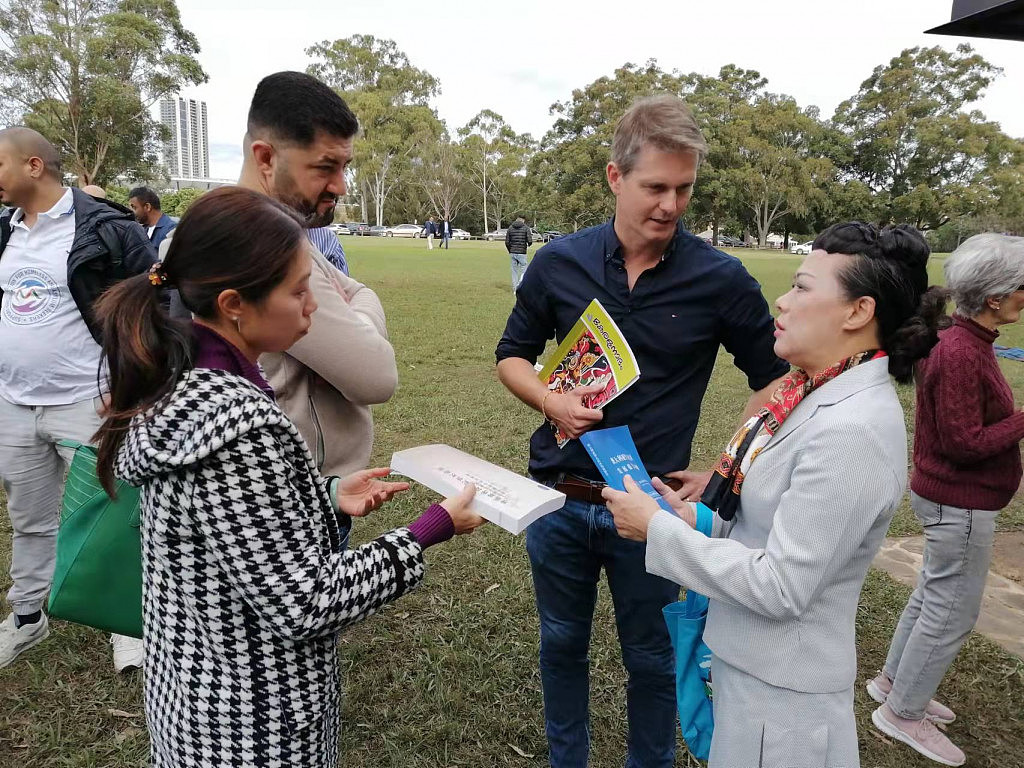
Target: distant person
(326,241)
(967,468)
(430,229)
(445,229)
(517,242)
(678,302)
(95,191)
(247,580)
(145,204)
(60,249)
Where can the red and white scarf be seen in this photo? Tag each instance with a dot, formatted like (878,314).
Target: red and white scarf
(723,491)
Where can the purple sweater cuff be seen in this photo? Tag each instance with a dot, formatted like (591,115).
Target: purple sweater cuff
(433,526)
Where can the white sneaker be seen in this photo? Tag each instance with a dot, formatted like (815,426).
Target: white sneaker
(14,640)
(127,652)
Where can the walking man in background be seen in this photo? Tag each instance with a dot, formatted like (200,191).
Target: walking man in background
(517,241)
(445,228)
(430,228)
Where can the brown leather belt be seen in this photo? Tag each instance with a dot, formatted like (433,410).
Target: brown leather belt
(589,491)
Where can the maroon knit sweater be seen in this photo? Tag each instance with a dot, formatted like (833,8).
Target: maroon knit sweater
(967,434)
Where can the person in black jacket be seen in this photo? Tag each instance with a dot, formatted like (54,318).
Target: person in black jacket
(517,241)
(60,249)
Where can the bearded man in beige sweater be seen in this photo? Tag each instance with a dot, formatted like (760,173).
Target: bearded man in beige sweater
(297,147)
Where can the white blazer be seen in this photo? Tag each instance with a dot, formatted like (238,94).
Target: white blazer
(816,504)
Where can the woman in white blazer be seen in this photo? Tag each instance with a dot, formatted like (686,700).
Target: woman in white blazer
(804,493)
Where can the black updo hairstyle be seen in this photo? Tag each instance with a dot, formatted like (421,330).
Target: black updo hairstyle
(891,266)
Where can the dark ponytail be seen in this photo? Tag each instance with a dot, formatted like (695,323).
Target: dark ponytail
(145,351)
(891,266)
(229,239)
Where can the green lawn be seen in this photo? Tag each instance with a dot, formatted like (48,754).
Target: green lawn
(448,676)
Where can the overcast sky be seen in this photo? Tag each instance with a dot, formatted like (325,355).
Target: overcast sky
(518,58)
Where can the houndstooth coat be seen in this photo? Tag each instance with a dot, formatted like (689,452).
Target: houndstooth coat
(246,582)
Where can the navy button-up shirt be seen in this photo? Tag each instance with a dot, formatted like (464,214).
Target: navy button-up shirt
(678,313)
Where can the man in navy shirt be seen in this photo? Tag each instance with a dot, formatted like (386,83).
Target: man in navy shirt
(677,300)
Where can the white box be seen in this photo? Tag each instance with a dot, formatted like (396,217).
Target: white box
(503,497)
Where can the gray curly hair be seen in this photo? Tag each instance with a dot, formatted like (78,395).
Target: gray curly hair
(984,266)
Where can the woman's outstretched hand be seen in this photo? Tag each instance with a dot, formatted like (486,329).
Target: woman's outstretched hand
(457,507)
(362,492)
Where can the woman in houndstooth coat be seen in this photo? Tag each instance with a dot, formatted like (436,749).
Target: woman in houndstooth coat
(246,577)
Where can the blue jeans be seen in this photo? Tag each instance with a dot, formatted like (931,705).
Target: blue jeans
(518,269)
(567,550)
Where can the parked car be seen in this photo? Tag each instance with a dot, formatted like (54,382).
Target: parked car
(728,241)
(552,234)
(801,249)
(358,227)
(498,234)
(340,228)
(536,236)
(405,230)
(460,234)
(377,231)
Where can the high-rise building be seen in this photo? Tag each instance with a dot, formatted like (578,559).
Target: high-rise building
(187,153)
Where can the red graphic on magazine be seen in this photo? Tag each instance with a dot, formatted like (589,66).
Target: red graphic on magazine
(585,364)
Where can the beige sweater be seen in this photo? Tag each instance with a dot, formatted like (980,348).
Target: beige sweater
(328,380)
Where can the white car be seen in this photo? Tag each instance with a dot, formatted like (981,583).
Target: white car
(801,249)
(460,234)
(405,230)
(340,229)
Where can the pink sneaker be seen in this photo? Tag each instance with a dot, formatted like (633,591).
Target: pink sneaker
(922,735)
(880,688)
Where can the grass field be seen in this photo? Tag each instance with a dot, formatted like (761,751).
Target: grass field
(448,676)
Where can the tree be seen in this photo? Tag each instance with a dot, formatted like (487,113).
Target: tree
(440,174)
(177,202)
(714,101)
(914,146)
(495,154)
(85,72)
(777,174)
(390,98)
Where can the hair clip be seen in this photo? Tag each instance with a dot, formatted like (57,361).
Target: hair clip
(158,275)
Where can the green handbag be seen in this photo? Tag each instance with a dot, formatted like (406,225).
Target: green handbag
(98,577)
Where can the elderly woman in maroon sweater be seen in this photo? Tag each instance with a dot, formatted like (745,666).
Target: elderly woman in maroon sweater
(967,467)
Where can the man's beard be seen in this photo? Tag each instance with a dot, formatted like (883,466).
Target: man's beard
(286,192)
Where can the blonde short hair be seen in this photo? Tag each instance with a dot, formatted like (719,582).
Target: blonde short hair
(664,121)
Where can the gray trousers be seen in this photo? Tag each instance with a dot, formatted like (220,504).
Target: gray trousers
(33,468)
(758,725)
(945,605)
(518,269)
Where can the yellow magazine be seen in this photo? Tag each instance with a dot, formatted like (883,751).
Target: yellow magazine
(594,351)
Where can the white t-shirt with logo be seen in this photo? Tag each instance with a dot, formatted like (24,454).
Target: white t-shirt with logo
(47,355)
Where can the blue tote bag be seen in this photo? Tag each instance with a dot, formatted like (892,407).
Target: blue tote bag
(685,620)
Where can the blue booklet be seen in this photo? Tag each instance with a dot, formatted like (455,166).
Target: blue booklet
(616,456)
